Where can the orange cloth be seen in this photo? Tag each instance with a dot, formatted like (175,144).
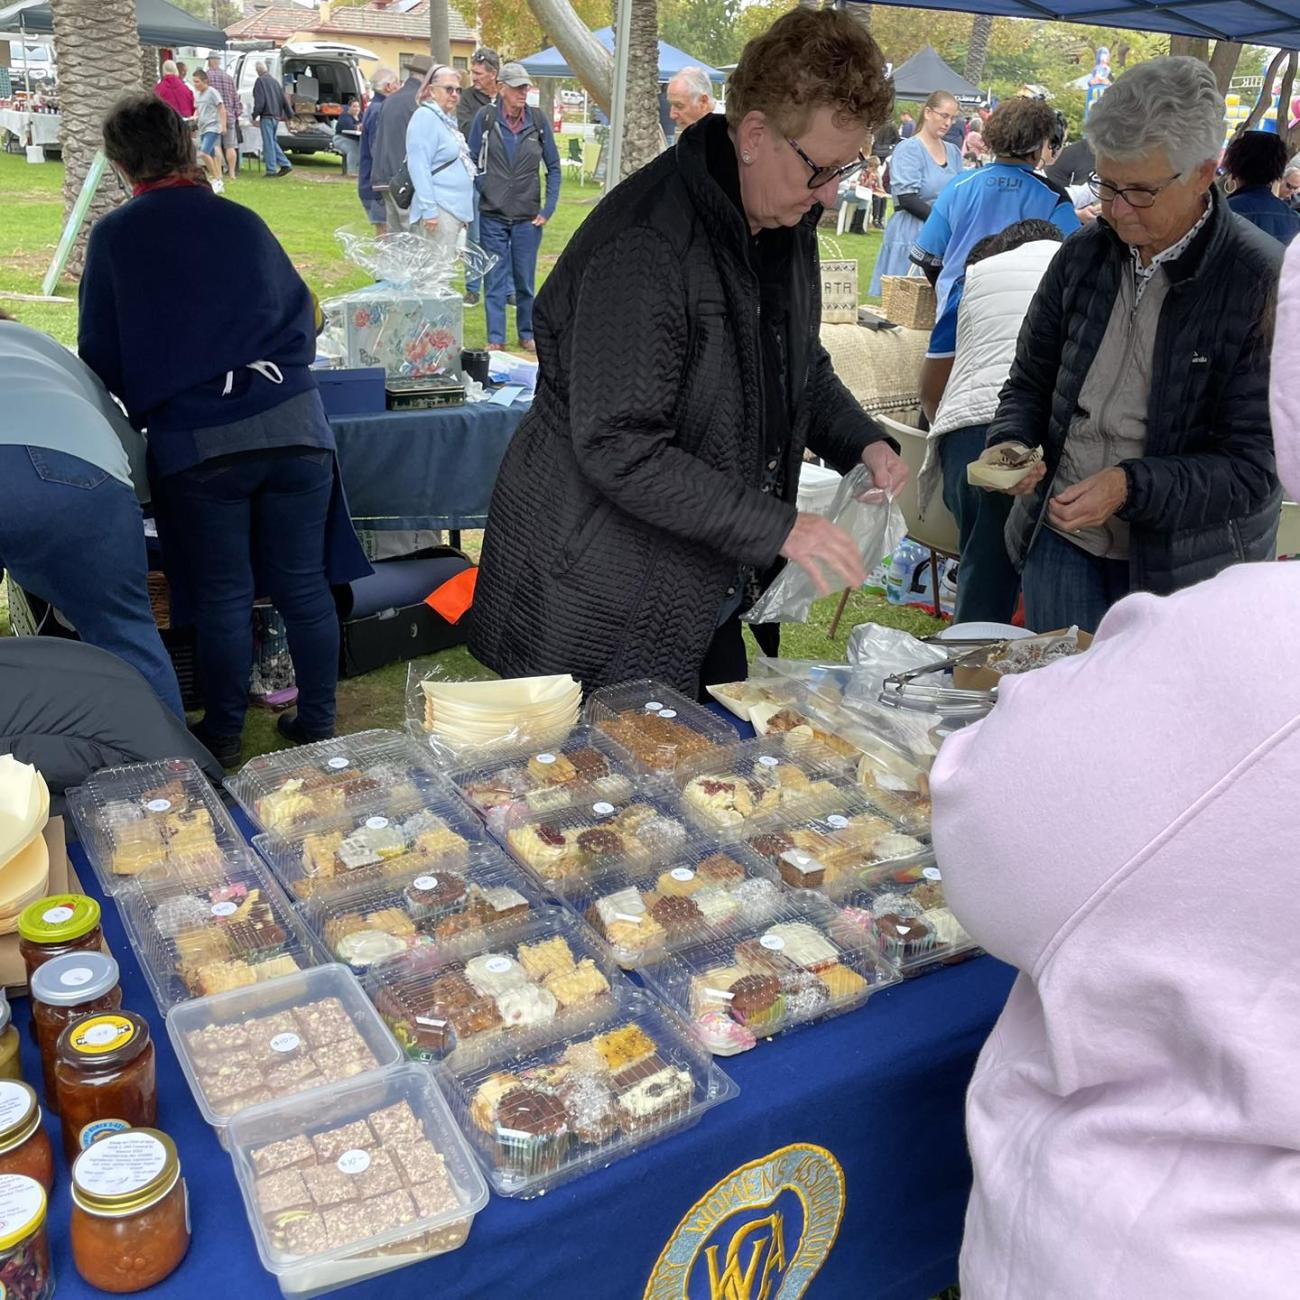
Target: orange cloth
(455,596)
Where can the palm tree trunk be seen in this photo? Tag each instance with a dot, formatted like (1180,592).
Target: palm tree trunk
(643,138)
(90,35)
(439,31)
(981,29)
(148,67)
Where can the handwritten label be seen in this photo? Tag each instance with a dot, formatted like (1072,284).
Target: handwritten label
(548,759)
(767,760)
(286,1043)
(354,1162)
(497,965)
(224,909)
(425,882)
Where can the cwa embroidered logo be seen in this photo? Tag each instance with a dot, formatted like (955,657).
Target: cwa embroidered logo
(761,1233)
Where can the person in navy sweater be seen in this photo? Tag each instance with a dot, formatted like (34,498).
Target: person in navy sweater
(1255,163)
(241,456)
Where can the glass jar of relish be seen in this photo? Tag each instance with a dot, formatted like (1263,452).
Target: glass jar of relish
(130,1212)
(105,1077)
(25,1272)
(63,990)
(56,925)
(24,1144)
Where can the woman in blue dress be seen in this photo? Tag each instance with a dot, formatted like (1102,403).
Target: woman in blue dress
(920,167)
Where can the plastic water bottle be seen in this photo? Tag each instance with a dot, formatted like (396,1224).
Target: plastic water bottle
(907,558)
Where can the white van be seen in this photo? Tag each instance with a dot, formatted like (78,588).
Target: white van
(325,73)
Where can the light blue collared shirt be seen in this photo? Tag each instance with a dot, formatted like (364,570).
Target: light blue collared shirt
(433,155)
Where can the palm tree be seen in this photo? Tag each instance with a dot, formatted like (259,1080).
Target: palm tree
(90,35)
(977,54)
(643,138)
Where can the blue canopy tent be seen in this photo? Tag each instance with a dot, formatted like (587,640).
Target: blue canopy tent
(1258,22)
(550,63)
(157,21)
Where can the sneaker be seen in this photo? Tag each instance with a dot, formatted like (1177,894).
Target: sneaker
(225,749)
(292,729)
(471,298)
(218,186)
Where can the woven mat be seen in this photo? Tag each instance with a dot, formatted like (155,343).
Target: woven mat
(881,368)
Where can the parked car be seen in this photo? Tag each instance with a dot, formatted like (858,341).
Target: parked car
(32,64)
(324,73)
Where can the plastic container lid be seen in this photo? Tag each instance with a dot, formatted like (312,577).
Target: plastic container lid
(656,726)
(74,978)
(59,919)
(22,1209)
(125,1173)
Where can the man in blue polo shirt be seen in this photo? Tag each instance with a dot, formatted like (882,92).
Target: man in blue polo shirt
(1019,134)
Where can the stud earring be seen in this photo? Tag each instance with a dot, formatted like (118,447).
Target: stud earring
(747,157)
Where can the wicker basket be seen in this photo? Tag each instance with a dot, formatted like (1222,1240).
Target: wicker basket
(908,300)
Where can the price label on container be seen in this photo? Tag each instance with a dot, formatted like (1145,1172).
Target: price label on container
(498,965)
(773,942)
(159,805)
(225,909)
(376,823)
(57,915)
(354,1162)
(76,977)
(425,882)
(337,763)
(767,760)
(602,809)
(548,759)
(286,1043)
(932,873)
(653,706)
(837,822)
(667,713)
(682,873)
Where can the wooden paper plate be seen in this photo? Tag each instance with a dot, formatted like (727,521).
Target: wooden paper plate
(23,879)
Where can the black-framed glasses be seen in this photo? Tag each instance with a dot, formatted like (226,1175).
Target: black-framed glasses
(1140,196)
(824,175)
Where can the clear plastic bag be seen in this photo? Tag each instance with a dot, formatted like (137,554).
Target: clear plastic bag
(875,526)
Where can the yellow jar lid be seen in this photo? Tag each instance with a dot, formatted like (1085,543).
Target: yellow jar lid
(58,919)
(125,1173)
(22,1209)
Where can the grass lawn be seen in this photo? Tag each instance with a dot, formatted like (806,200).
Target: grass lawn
(304,211)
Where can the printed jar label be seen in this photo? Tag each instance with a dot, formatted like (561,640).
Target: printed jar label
(337,763)
(548,759)
(354,1162)
(376,823)
(602,809)
(425,882)
(22,1202)
(15,1103)
(100,1129)
(120,1161)
(682,873)
(159,805)
(225,909)
(773,942)
(767,760)
(100,1034)
(932,873)
(57,915)
(286,1043)
(76,977)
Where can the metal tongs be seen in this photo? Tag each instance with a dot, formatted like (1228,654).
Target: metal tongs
(900,691)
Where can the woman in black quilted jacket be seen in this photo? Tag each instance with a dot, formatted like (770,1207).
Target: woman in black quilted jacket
(649,494)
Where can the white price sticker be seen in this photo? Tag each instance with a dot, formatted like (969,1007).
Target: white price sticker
(768,760)
(602,809)
(773,942)
(57,915)
(653,706)
(425,882)
(355,1161)
(337,763)
(159,805)
(497,965)
(932,873)
(667,713)
(225,909)
(286,1043)
(682,873)
(838,822)
(548,759)
(76,977)
(376,823)
(101,1035)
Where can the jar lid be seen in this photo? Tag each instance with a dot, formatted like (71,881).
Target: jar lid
(58,919)
(20,1113)
(74,978)
(125,1173)
(104,1040)
(22,1209)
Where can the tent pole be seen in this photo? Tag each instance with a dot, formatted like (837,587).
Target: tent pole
(618,105)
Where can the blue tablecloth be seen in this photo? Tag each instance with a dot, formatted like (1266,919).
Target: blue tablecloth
(881,1088)
(424,469)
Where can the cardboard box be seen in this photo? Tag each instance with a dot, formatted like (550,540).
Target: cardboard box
(985,679)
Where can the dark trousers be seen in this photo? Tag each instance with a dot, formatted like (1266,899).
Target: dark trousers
(879,205)
(726,659)
(260,513)
(515,245)
(1064,585)
(987,582)
(73,535)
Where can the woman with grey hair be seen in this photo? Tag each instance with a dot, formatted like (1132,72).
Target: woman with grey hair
(1143,369)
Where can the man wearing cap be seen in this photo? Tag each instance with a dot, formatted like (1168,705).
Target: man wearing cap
(484,65)
(224,84)
(388,143)
(511,142)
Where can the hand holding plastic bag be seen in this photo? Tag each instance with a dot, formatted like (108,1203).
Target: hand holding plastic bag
(832,552)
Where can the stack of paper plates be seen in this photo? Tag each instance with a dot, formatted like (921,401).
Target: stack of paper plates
(24,858)
(472,715)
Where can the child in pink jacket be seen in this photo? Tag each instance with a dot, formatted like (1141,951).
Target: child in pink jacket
(1123,829)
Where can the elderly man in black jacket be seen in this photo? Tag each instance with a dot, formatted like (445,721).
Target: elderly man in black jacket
(1143,369)
(388,141)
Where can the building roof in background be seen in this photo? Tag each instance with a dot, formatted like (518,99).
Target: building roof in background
(274,23)
(279,22)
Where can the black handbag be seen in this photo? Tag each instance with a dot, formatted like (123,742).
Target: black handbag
(401,188)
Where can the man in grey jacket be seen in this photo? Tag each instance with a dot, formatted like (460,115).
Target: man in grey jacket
(388,147)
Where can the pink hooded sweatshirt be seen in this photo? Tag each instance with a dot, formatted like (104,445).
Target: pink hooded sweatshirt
(1123,829)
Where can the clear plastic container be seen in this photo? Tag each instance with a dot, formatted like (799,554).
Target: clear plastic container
(564,847)
(386,839)
(345,1185)
(578,1100)
(701,893)
(149,816)
(585,768)
(793,711)
(201,930)
(365,926)
(485,998)
(274,1040)
(761,782)
(656,726)
(804,964)
(904,912)
(294,790)
(834,851)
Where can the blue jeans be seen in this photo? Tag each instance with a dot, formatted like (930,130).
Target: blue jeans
(273,157)
(1065,585)
(73,535)
(987,582)
(258,513)
(473,284)
(515,245)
